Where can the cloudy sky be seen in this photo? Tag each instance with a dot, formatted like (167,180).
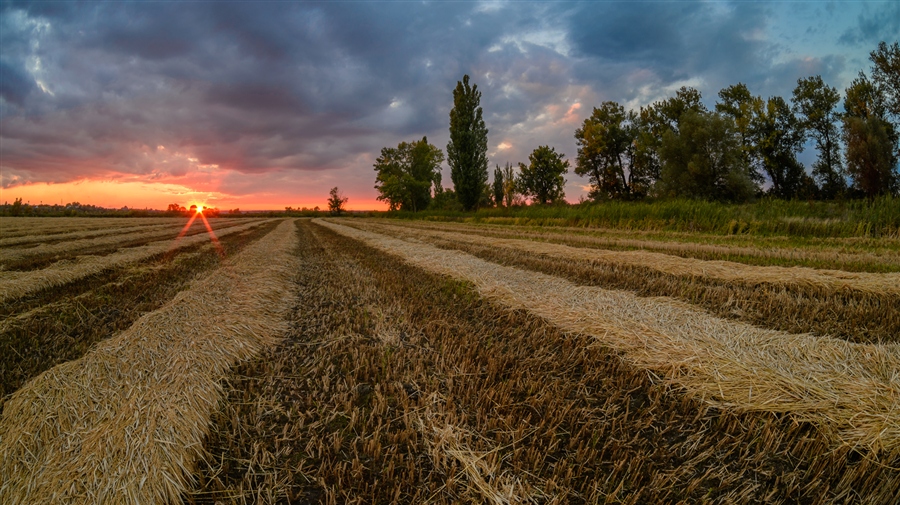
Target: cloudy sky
(265,104)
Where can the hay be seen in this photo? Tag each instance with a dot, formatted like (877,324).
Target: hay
(877,253)
(74,243)
(849,390)
(17,284)
(25,226)
(727,271)
(36,238)
(125,423)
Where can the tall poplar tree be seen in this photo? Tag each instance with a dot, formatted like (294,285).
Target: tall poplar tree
(467,149)
(816,104)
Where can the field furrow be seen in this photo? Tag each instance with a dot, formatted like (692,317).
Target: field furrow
(41,255)
(18,284)
(850,254)
(26,226)
(399,384)
(66,322)
(848,390)
(75,235)
(124,424)
(799,303)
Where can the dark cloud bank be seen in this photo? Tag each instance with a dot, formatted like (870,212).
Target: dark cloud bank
(160,89)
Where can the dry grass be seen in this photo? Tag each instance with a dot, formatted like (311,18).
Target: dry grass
(124,423)
(725,271)
(25,226)
(17,284)
(396,385)
(32,238)
(62,324)
(855,254)
(37,256)
(848,314)
(848,390)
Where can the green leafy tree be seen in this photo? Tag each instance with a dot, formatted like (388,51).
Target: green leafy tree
(510,184)
(816,106)
(886,74)
(650,124)
(497,186)
(606,152)
(737,103)
(336,201)
(405,174)
(870,140)
(703,160)
(467,149)
(542,179)
(777,137)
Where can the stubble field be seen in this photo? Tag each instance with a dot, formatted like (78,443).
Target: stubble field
(385,361)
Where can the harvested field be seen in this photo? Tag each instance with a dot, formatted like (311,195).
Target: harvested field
(77,316)
(397,385)
(40,226)
(375,361)
(848,389)
(43,254)
(123,424)
(78,234)
(850,254)
(860,307)
(17,284)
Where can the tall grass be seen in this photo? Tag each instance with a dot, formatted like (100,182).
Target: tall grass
(855,218)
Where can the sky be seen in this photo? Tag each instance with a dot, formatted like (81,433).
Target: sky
(268,104)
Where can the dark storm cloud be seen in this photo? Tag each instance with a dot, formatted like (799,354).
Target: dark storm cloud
(874,26)
(161,88)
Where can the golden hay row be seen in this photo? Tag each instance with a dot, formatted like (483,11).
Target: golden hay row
(728,271)
(119,237)
(125,423)
(23,226)
(831,251)
(17,284)
(849,390)
(79,234)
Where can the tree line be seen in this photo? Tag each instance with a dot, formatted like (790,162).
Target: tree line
(745,147)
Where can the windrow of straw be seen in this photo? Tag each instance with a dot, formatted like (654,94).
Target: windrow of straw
(849,390)
(40,332)
(25,226)
(853,254)
(847,314)
(397,385)
(125,423)
(33,256)
(726,271)
(17,284)
(42,238)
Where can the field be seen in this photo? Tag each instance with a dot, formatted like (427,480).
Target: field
(487,360)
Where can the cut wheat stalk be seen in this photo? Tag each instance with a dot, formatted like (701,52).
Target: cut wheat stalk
(73,234)
(728,271)
(849,390)
(10,254)
(125,423)
(25,226)
(835,251)
(17,284)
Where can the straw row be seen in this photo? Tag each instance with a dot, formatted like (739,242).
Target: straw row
(856,253)
(25,226)
(726,271)
(40,238)
(125,423)
(849,390)
(104,242)
(396,385)
(17,284)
